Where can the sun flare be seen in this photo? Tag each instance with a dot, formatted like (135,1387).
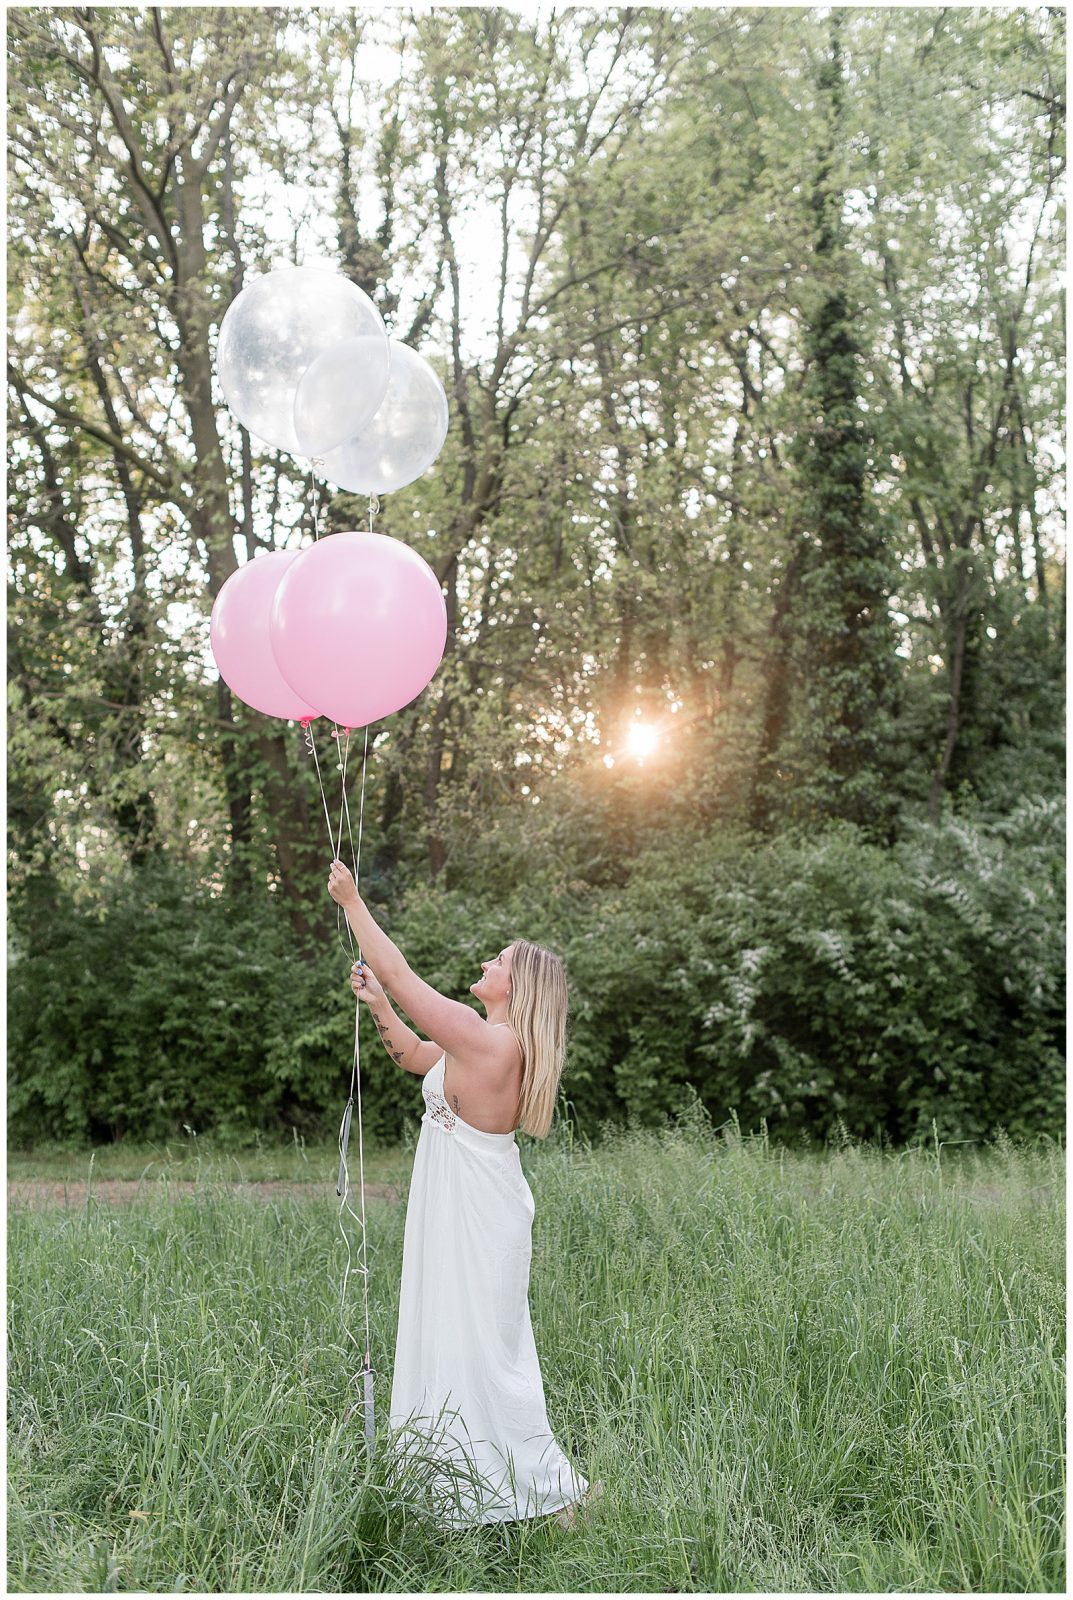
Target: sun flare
(641,739)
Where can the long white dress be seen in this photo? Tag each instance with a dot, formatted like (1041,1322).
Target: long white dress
(467,1393)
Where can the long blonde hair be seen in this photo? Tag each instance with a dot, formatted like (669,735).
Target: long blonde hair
(536,1012)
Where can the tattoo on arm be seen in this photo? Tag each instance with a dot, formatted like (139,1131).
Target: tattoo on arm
(396,1055)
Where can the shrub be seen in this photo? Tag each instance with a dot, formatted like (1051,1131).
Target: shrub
(815,980)
(808,981)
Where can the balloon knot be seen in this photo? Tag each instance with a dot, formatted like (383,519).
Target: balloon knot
(303,722)
(339,733)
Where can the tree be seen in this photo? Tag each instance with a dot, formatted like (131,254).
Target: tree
(834,624)
(626,513)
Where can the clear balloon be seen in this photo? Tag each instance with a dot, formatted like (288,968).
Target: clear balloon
(358,626)
(404,437)
(340,393)
(238,631)
(276,328)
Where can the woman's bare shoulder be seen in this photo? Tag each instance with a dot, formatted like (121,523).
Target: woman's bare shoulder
(503,1052)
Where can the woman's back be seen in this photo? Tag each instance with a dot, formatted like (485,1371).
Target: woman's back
(490,1100)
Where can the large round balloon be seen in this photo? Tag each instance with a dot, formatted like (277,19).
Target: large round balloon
(238,630)
(405,436)
(272,333)
(358,626)
(332,402)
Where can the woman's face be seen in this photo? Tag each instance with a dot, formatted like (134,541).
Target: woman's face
(494,983)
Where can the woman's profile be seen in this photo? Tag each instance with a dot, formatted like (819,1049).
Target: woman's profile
(467,1386)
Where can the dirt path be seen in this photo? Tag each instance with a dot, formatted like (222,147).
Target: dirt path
(42,1194)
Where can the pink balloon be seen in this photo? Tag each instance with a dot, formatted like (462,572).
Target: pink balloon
(238,631)
(358,626)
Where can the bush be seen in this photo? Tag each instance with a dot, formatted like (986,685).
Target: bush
(180,1008)
(152,1016)
(811,982)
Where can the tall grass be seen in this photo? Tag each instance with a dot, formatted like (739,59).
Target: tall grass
(833,1371)
(262,1160)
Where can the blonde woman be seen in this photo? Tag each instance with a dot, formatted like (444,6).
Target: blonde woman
(467,1387)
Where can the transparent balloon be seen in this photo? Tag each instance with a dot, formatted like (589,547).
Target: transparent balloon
(272,333)
(404,437)
(238,632)
(340,393)
(358,626)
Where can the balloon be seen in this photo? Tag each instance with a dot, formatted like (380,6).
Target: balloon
(358,626)
(238,631)
(276,328)
(405,436)
(340,392)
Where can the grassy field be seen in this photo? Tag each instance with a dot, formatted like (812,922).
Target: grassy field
(196,1158)
(828,1371)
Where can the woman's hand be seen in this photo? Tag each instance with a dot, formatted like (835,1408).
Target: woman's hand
(341,885)
(364,983)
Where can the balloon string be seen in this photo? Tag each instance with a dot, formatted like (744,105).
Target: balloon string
(367,1399)
(317,462)
(344,750)
(344,804)
(362,1266)
(307,728)
(374,507)
(346,807)
(311,746)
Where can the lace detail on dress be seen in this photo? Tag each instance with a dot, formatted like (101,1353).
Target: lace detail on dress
(440,1110)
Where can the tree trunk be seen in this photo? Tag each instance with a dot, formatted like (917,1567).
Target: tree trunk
(776,712)
(953,713)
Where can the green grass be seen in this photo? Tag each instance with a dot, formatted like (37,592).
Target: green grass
(193,1156)
(834,1371)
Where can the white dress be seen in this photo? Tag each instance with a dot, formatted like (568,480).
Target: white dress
(467,1394)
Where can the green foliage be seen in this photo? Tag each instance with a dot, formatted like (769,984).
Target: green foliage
(808,982)
(150,1017)
(819,980)
(757,345)
(180,1008)
(618,504)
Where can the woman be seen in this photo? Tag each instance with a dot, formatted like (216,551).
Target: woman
(467,1388)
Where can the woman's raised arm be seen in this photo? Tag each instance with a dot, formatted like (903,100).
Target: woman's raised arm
(385,957)
(455,1027)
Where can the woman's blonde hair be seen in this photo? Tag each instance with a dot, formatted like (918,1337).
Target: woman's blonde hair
(537,1013)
